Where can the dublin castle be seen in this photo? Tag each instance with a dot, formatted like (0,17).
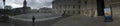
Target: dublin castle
(75,7)
(84,7)
(24,9)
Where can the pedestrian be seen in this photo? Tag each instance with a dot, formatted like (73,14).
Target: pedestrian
(33,18)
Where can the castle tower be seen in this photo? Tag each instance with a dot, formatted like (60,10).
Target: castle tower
(25,3)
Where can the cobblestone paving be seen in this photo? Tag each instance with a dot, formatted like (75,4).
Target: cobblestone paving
(4,24)
(79,20)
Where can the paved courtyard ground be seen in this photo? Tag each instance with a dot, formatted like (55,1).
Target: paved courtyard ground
(4,24)
(79,20)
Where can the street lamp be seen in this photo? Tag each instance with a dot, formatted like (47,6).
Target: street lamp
(4,3)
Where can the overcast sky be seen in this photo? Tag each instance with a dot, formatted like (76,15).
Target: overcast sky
(35,4)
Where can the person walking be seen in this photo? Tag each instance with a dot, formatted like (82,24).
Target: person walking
(33,18)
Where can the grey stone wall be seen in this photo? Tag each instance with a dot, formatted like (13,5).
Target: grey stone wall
(89,8)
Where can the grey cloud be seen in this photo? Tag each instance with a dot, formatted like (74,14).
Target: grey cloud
(32,3)
(40,4)
(19,2)
(48,3)
(1,4)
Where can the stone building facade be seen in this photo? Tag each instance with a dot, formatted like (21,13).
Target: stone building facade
(76,7)
(71,7)
(89,8)
(45,10)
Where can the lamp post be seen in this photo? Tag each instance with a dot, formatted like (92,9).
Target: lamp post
(4,12)
(4,3)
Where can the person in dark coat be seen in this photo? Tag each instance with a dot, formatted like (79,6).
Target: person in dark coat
(33,18)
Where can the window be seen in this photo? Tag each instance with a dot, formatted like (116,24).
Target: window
(59,11)
(73,6)
(79,1)
(69,6)
(79,7)
(53,2)
(73,12)
(66,6)
(85,1)
(56,7)
(68,12)
(60,6)
(78,12)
